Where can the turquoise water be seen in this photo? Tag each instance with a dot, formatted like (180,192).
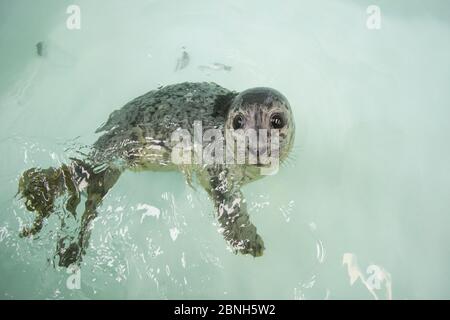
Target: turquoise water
(366,187)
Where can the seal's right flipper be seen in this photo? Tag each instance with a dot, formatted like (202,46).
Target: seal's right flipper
(238,230)
(233,217)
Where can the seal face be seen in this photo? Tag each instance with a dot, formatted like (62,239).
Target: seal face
(267,109)
(139,137)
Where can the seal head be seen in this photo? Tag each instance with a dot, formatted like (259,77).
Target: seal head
(263,108)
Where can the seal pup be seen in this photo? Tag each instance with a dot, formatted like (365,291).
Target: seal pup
(139,136)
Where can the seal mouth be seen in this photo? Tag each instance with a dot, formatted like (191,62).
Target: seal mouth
(264,165)
(263,159)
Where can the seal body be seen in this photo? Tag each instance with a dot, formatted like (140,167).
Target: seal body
(139,136)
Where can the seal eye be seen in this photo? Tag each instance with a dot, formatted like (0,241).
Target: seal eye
(277,121)
(238,122)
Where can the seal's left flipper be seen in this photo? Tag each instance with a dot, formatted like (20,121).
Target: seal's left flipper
(233,217)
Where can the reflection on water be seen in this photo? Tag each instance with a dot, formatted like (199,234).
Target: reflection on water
(368,176)
(376,276)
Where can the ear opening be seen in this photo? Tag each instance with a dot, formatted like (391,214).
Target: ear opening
(223,103)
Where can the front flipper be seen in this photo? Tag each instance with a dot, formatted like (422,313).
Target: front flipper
(233,217)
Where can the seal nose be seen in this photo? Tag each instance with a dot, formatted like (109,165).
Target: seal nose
(261,152)
(258,119)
